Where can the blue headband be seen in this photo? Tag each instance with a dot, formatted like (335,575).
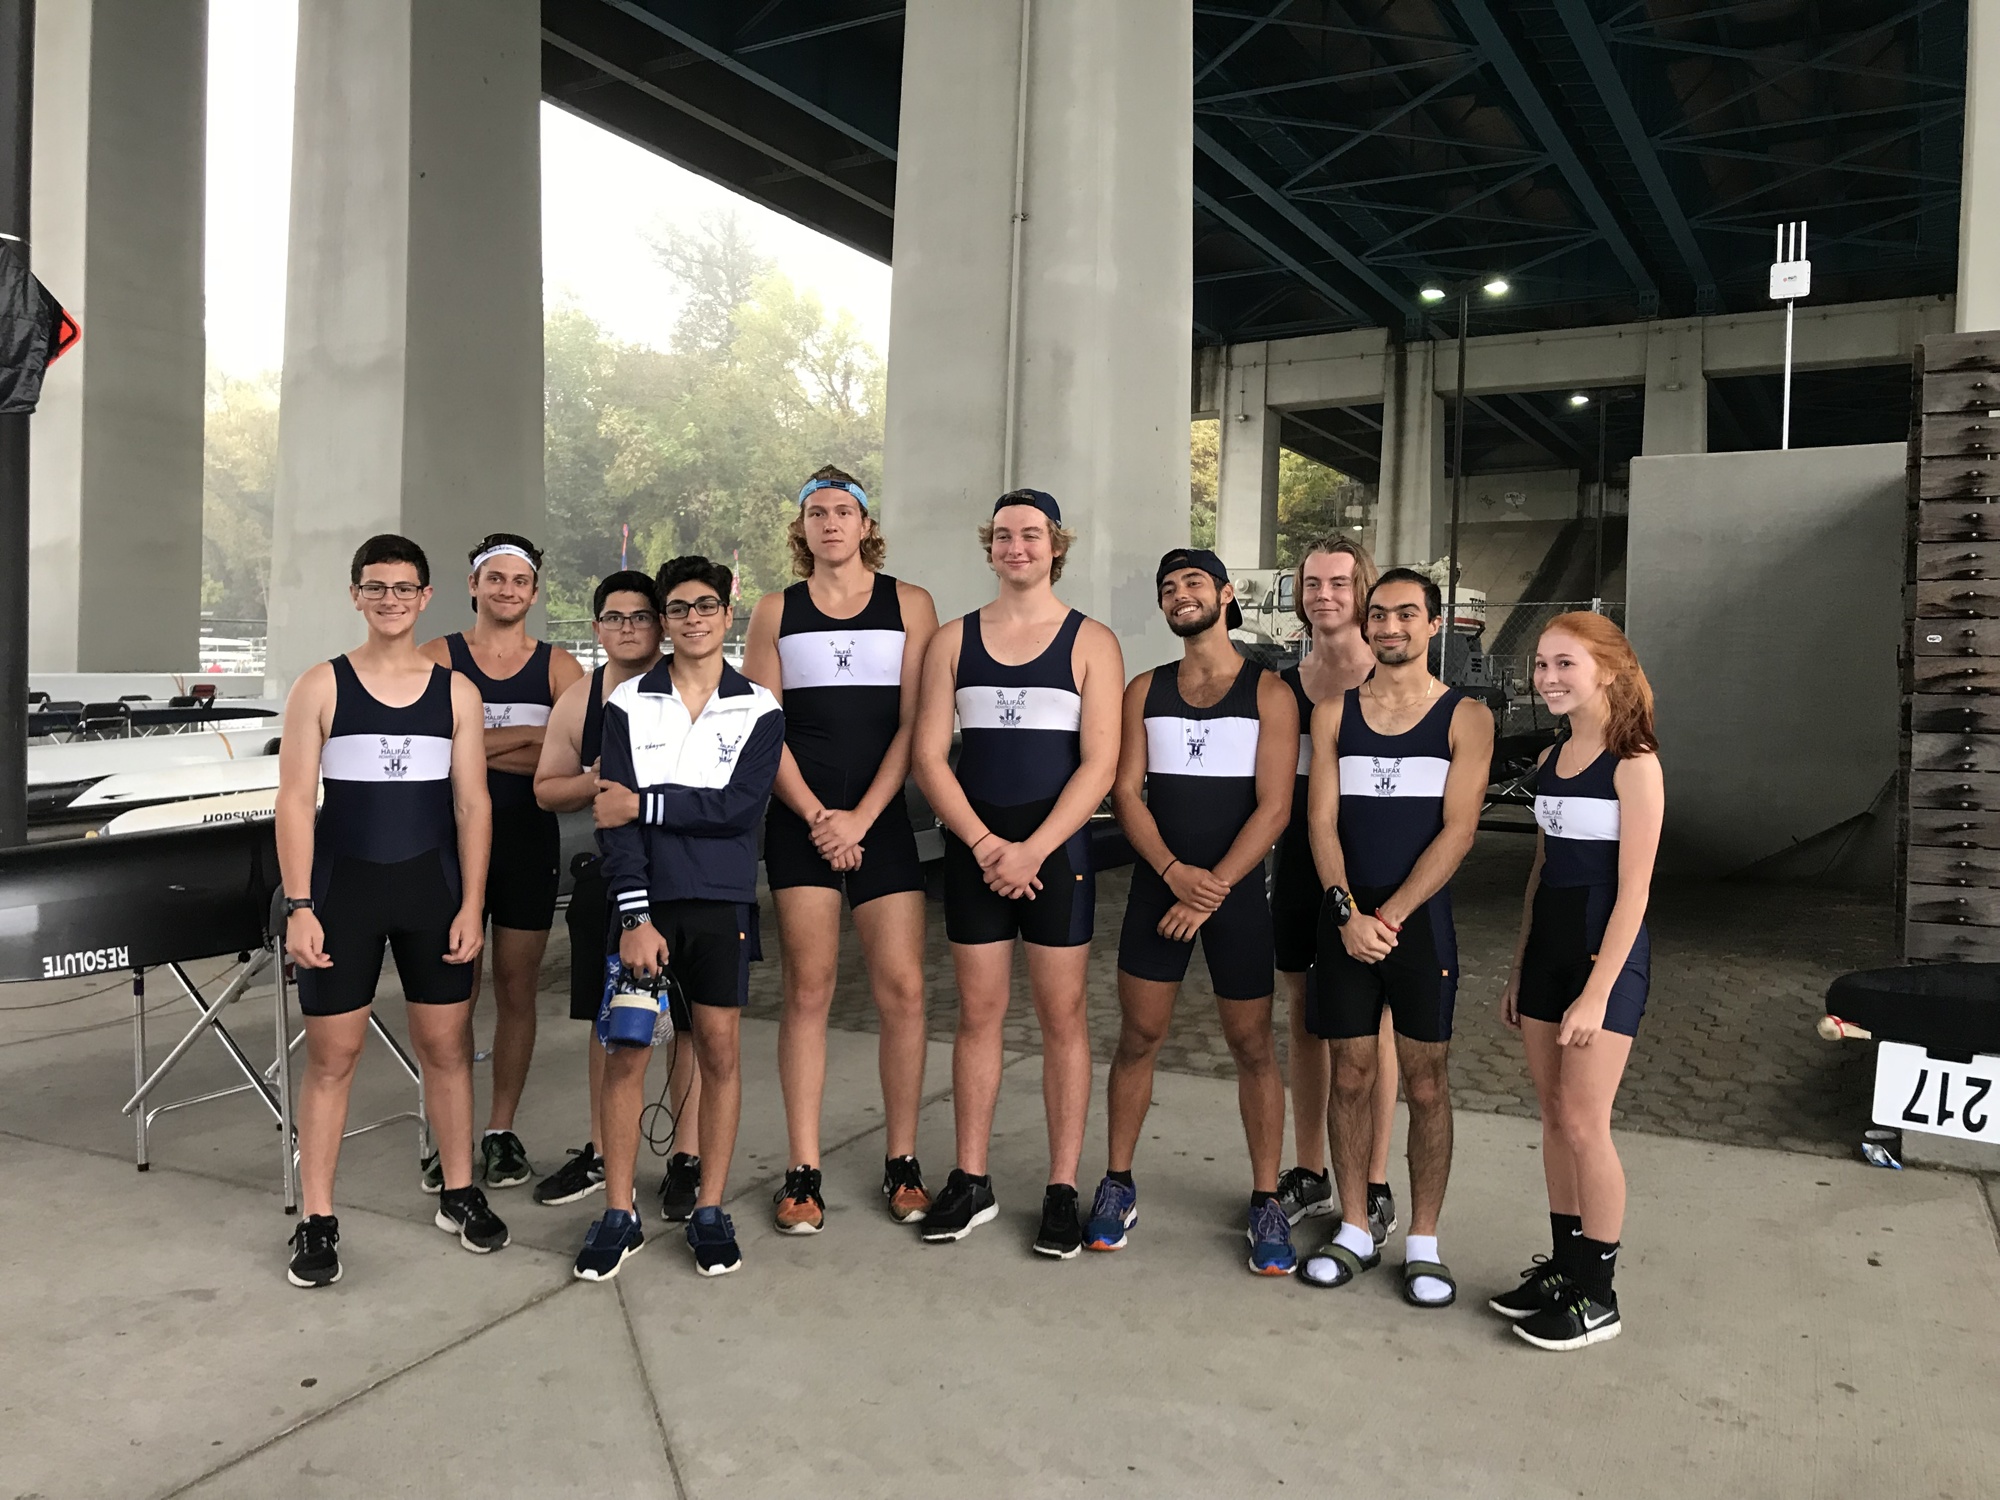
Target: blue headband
(835,484)
(1042,501)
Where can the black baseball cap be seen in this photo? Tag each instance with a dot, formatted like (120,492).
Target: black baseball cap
(1183,558)
(1042,501)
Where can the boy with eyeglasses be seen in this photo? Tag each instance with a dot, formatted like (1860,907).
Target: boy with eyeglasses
(691,749)
(626,608)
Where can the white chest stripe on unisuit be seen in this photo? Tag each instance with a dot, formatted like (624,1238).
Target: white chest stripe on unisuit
(1393,775)
(1201,747)
(841,658)
(1592,818)
(386,757)
(516,715)
(1018,708)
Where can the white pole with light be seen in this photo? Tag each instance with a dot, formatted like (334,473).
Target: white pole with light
(1791,279)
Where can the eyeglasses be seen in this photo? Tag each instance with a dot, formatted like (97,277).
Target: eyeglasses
(374,592)
(708,604)
(639,619)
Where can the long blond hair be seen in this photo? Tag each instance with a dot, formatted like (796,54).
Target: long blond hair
(1364,572)
(1628,696)
(874,546)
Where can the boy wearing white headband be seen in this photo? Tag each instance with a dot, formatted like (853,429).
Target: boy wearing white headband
(519,680)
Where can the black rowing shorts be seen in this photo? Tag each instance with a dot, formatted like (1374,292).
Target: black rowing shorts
(593,945)
(363,907)
(1060,915)
(1295,900)
(1235,940)
(1564,933)
(526,869)
(889,862)
(1418,981)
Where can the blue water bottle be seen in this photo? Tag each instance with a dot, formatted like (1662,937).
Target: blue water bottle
(632,1013)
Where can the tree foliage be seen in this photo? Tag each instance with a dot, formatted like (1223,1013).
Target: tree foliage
(239,473)
(1312,498)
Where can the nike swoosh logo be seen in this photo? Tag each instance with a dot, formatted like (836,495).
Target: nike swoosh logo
(1591,1323)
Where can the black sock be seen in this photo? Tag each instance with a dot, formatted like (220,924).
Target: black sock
(979,1179)
(1377,1190)
(1309,1172)
(1596,1264)
(1564,1230)
(457,1195)
(1259,1198)
(683,1159)
(1123,1179)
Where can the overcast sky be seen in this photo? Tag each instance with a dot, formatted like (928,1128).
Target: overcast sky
(600,197)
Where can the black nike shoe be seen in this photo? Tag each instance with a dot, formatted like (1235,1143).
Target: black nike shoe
(315,1252)
(1061,1234)
(680,1187)
(1381,1213)
(960,1208)
(465,1213)
(1576,1322)
(576,1178)
(1543,1286)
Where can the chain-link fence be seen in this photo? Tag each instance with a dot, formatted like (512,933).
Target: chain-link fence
(1512,629)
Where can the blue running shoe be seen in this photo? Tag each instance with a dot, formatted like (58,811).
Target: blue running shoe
(1271,1252)
(712,1237)
(1114,1210)
(610,1242)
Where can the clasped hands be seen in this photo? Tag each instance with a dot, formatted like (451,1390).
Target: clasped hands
(1197,895)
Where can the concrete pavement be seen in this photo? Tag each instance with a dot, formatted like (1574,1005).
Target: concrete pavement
(1796,1326)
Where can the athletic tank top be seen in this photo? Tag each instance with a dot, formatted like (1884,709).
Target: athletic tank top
(591,745)
(386,774)
(1018,726)
(1201,764)
(522,699)
(1290,678)
(843,689)
(1579,820)
(1391,790)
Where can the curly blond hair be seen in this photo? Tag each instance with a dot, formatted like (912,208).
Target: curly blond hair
(1061,539)
(874,546)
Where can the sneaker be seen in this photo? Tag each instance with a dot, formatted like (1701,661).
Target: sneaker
(1061,1234)
(315,1252)
(1305,1195)
(903,1186)
(607,1245)
(680,1187)
(712,1236)
(1543,1285)
(579,1177)
(431,1175)
(800,1208)
(961,1208)
(1271,1252)
(1381,1214)
(1114,1210)
(1573,1323)
(503,1160)
(466,1215)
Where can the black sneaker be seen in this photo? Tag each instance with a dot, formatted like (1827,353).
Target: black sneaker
(503,1160)
(680,1187)
(1543,1286)
(799,1207)
(1576,1322)
(316,1251)
(1305,1195)
(608,1244)
(1381,1213)
(711,1235)
(959,1209)
(580,1176)
(465,1214)
(1061,1234)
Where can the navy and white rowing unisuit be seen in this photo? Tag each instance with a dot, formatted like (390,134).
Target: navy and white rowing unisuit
(702,786)
(1020,736)
(387,778)
(523,699)
(1579,820)
(843,682)
(1201,764)
(1290,678)
(1391,790)
(591,744)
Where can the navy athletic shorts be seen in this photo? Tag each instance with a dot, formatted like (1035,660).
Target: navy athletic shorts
(1418,981)
(1235,940)
(1564,933)
(1061,914)
(889,862)
(406,907)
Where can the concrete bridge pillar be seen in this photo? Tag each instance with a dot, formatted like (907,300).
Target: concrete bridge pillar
(1979,182)
(412,398)
(1048,350)
(1676,390)
(115,464)
(1246,491)
(1413,512)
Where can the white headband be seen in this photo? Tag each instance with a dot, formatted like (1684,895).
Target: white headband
(507,548)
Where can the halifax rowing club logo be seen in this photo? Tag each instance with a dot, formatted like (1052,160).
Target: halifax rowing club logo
(1197,741)
(843,658)
(1552,816)
(395,758)
(1387,773)
(725,750)
(1012,709)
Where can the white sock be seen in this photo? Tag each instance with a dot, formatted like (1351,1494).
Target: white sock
(493,1133)
(1425,1288)
(1356,1238)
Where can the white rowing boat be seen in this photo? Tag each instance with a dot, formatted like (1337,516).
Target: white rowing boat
(256,773)
(92,760)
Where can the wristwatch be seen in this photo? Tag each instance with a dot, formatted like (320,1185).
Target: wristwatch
(298,903)
(1341,904)
(633,921)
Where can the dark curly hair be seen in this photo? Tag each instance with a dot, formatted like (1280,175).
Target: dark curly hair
(691,569)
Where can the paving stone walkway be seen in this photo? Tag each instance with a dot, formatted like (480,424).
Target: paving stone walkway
(1727,1051)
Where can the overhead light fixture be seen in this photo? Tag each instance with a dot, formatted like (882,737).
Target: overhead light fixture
(1497,287)
(1432,294)
(1579,399)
